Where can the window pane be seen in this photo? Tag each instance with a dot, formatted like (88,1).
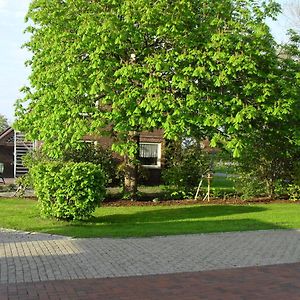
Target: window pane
(149,154)
(148,150)
(148,161)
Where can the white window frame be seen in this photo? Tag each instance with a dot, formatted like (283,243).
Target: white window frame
(158,165)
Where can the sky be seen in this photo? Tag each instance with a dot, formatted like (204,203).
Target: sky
(14,74)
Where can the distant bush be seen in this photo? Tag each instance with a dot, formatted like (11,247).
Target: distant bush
(68,190)
(223,193)
(266,160)
(186,164)
(248,185)
(275,177)
(23,183)
(293,191)
(293,186)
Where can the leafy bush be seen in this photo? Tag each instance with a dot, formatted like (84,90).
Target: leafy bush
(267,159)
(68,190)
(97,155)
(248,186)
(23,183)
(293,191)
(292,187)
(186,164)
(269,168)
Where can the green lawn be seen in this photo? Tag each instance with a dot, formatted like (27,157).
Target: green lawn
(156,220)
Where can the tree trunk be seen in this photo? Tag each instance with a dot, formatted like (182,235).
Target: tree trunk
(131,169)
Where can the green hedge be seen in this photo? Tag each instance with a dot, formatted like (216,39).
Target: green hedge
(68,190)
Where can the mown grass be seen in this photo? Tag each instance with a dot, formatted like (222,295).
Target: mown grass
(136,221)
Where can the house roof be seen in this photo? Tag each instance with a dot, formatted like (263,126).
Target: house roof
(6,134)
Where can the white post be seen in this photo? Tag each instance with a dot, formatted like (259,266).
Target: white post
(15,154)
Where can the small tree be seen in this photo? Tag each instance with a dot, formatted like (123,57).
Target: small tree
(186,163)
(3,122)
(266,160)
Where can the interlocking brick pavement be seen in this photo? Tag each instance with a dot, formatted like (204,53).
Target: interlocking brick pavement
(277,282)
(26,257)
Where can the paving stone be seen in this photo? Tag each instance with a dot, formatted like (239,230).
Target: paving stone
(26,257)
(265,282)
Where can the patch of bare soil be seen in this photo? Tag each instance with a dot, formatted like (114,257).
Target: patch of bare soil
(217,201)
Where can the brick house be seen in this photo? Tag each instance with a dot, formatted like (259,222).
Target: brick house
(151,150)
(7,152)
(12,148)
(152,145)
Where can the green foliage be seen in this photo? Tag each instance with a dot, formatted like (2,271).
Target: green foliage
(268,159)
(200,68)
(185,167)
(224,193)
(293,191)
(248,185)
(3,123)
(270,152)
(97,155)
(29,160)
(23,183)
(197,67)
(292,187)
(68,190)
(296,172)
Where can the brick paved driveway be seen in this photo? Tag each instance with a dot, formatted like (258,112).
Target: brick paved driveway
(276,282)
(29,263)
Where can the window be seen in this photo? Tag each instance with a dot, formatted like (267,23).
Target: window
(150,155)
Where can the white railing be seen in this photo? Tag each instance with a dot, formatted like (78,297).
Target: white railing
(21,147)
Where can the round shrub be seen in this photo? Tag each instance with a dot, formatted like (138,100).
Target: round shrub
(68,190)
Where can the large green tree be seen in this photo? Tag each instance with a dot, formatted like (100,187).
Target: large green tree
(272,151)
(120,67)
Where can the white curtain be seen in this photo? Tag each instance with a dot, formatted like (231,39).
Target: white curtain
(148,150)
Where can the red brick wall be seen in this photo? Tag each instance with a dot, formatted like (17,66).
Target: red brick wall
(156,136)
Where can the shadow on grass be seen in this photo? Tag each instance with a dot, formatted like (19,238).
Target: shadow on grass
(168,221)
(161,228)
(173,214)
